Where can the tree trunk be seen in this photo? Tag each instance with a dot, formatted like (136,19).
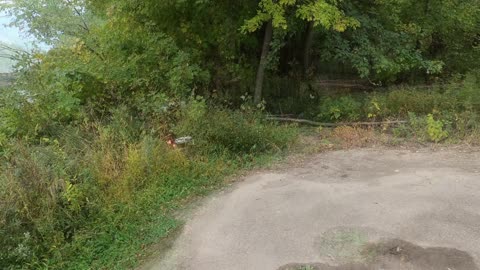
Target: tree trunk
(308,47)
(263,63)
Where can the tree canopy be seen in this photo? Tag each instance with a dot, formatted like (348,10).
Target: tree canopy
(120,50)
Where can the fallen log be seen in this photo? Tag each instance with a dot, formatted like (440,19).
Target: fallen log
(319,124)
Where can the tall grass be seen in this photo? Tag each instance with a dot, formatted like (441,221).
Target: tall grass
(436,114)
(94,196)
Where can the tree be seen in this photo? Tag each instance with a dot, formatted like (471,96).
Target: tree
(8,56)
(274,14)
(98,60)
(49,21)
(406,40)
(207,30)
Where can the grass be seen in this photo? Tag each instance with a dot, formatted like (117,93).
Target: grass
(126,226)
(98,195)
(441,113)
(133,243)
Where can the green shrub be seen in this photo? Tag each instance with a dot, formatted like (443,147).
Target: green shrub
(417,127)
(402,131)
(396,104)
(82,200)
(423,128)
(400,102)
(435,129)
(468,92)
(344,108)
(217,130)
(57,198)
(376,107)
(466,123)
(33,179)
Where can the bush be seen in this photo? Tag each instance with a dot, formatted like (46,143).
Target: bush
(398,103)
(217,130)
(344,108)
(403,101)
(82,200)
(435,129)
(465,123)
(468,92)
(57,197)
(128,66)
(439,127)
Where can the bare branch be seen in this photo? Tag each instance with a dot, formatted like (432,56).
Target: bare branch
(84,23)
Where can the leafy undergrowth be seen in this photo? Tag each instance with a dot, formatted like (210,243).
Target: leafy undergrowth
(442,113)
(99,194)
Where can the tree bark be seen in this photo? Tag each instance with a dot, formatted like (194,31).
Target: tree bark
(263,63)
(308,47)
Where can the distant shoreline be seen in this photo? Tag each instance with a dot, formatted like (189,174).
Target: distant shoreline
(6,79)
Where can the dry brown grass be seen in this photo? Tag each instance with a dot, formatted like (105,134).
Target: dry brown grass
(354,136)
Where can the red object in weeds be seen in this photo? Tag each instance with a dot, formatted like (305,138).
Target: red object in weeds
(172,143)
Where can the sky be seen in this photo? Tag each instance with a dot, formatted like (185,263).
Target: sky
(9,36)
(12,36)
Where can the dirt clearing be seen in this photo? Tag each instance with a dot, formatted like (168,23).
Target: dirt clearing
(356,209)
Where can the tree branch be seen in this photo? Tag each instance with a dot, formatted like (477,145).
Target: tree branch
(313,123)
(84,23)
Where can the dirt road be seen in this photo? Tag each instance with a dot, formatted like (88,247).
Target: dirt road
(357,209)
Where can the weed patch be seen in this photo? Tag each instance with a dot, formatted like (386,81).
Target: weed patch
(97,195)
